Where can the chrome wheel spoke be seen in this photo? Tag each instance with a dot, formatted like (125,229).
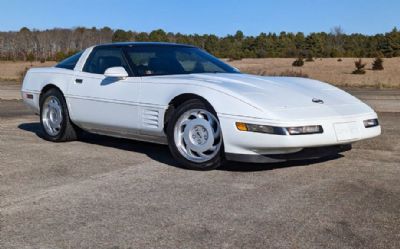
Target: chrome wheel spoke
(214,124)
(213,148)
(190,153)
(217,132)
(204,156)
(185,123)
(200,115)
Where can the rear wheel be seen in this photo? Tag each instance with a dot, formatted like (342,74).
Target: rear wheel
(54,117)
(195,137)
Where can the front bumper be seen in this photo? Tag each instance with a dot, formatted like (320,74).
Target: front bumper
(304,154)
(339,130)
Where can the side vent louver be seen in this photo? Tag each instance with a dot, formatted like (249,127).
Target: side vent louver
(150,118)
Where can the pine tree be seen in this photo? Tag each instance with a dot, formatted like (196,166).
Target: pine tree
(359,67)
(377,64)
(298,63)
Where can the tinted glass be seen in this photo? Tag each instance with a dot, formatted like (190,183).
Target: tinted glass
(103,58)
(70,62)
(167,60)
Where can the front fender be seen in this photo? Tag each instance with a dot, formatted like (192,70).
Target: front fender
(223,102)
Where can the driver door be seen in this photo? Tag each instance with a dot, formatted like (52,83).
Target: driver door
(105,104)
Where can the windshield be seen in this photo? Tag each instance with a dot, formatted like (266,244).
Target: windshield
(167,60)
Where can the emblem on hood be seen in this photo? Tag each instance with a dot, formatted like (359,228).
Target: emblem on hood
(318,101)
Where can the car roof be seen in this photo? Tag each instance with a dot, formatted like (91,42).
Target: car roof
(144,44)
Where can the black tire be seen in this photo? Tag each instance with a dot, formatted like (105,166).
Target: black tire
(211,164)
(68,131)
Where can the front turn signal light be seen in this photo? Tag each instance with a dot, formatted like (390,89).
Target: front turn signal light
(241,126)
(260,128)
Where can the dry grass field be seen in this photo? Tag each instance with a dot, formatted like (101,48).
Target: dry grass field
(327,69)
(12,71)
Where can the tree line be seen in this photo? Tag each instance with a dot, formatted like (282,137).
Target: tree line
(57,43)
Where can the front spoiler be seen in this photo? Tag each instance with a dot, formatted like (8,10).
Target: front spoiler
(304,154)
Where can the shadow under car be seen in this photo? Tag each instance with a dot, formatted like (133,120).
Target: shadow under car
(161,153)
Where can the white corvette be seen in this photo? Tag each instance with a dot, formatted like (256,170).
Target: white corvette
(205,110)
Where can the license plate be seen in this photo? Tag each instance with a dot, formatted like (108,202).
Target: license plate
(346,131)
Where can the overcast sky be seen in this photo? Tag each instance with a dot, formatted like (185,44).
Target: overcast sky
(219,17)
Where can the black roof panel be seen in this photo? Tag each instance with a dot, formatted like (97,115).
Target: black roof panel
(147,44)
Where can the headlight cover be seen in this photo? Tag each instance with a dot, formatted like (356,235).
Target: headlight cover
(304,130)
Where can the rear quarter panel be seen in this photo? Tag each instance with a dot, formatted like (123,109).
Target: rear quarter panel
(38,78)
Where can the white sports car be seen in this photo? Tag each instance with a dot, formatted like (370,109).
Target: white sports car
(205,110)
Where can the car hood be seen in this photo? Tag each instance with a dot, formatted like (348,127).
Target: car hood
(280,92)
(284,96)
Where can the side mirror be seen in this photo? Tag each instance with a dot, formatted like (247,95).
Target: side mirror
(116,72)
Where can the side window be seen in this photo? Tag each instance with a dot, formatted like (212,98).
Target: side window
(103,58)
(154,61)
(70,62)
(140,61)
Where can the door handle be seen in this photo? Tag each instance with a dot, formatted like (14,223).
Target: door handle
(79,81)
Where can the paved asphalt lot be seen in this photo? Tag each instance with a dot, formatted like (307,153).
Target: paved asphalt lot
(104,192)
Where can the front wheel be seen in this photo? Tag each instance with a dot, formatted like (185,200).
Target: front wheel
(195,137)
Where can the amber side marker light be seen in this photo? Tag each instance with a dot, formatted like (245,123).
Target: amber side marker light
(241,126)
(260,128)
(29,96)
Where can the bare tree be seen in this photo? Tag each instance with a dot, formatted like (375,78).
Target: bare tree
(337,41)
